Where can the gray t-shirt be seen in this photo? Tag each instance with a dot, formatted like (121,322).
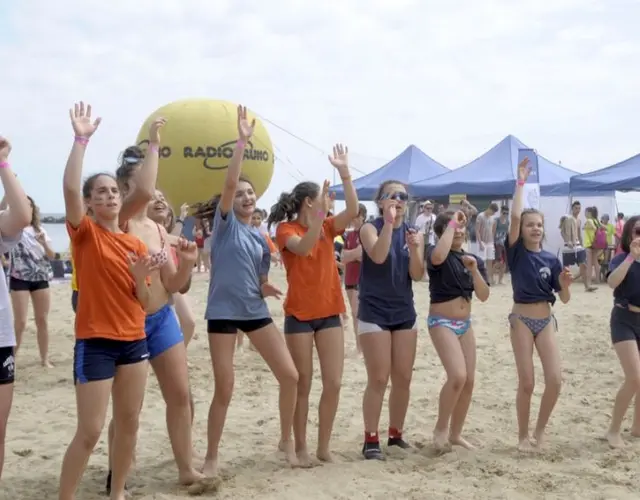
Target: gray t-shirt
(484,226)
(7,333)
(239,256)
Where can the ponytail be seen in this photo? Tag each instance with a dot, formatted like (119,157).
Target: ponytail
(284,210)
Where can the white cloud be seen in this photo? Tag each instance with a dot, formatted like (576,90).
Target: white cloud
(452,77)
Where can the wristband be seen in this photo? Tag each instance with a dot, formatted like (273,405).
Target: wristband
(520,182)
(81,140)
(453,223)
(389,220)
(154,147)
(240,144)
(320,214)
(4,164)
(629,258)
(345,178)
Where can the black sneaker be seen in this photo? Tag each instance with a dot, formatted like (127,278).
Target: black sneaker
(398,441)
(372,451)
(108,486)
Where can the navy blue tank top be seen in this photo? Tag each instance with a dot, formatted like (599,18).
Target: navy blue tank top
(385,290)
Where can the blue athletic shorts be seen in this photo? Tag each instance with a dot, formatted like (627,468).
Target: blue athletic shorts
(98,359)
(163,331)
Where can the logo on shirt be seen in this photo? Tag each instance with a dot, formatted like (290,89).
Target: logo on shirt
(545,273)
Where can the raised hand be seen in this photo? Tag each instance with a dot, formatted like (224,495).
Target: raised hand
(141,267)
(524,169)
(389,209)
(323,202)
(40,238)
(154,130)
(269,290)
(245,129)
(414,238)
(81,120)
(635,248)
(5,149)
(340,159)
(565,278)
(187,251)
(184,211)
(470,262)
(460,219)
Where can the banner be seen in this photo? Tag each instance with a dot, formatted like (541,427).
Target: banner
(531,189)
(456,199)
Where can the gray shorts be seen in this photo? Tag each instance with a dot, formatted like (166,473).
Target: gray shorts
(294,325)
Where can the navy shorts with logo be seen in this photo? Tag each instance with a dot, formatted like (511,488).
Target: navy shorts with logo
(99,359)
(7,365)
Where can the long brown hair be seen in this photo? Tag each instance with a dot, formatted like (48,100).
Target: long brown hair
(35,214)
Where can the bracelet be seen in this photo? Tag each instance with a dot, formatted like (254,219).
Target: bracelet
(240,144)
(453,223)
(629,258)
(5,164)
(154,147)
(389,221)
(345,178)
(81,140)
(520,182)
(320,214)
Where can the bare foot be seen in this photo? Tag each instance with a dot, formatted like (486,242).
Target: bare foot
(526,446)
(615,440)
(324,455)
(304,459)
(187,478)
(288,448)
(441,441)
(46,363)
(540,438)
(210,467)
(460,441)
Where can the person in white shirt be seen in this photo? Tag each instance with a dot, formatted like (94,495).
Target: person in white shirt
(486,235)
(425,221)
(13,220)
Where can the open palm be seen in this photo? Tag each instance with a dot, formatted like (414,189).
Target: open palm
(340,157)
(81,121)
(245,128)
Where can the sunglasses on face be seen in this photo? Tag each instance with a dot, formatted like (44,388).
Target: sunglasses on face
(399,196)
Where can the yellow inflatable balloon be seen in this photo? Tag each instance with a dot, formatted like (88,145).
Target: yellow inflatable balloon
(197,143)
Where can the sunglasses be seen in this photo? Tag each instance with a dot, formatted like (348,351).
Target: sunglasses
(399,196)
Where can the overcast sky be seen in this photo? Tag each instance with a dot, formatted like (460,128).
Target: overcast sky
(453,77)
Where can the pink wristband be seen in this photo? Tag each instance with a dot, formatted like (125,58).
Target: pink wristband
(154,147)
(81,140)
(320,214)
(240,144)
(389,221)
(629,258)
(4,164)
(520,182)
(453,223)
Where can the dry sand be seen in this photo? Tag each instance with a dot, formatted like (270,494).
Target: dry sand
(576,465)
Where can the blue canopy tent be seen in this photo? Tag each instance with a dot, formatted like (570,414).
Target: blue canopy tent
(623,176)
(494,174)
(408,167)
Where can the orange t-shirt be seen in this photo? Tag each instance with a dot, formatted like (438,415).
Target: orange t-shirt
(107,306)
(314,290)
(270,244)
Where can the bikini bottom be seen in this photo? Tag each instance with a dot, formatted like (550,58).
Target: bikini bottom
(535,325)
(457,326)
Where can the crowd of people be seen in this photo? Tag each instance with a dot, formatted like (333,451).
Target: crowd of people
(132,309)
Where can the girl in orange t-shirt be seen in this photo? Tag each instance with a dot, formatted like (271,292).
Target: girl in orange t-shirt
(314,301)
(110,354)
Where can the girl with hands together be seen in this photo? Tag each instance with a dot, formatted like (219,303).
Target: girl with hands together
(392,257)
(624,278)
(454,277)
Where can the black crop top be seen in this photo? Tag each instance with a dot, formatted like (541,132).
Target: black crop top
(451,279)
(628,292)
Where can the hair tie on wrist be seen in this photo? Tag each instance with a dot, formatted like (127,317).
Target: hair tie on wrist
(4,164)
(240,144)
(453,223)
(521,182)
(81,140)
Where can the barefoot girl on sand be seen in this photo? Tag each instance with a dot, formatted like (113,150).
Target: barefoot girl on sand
(110,354)
(237,289)
(13,219)
(535,275)
(30,275)
(392,258)
(314,299)
(167,350)
(624,278)
(454,275)
(351,258)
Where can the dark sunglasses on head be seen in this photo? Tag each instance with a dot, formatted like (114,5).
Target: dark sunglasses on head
(399,196)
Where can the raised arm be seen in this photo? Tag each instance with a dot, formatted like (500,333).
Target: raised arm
(83,129)
(377,245)
(618,270)
(245,131)
(302,245)
(144,177)
(340,160)
(16,214)
(179,224)
(415,240)
(518,200)
(443,247)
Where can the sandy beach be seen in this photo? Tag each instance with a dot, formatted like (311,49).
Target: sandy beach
(577,463)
